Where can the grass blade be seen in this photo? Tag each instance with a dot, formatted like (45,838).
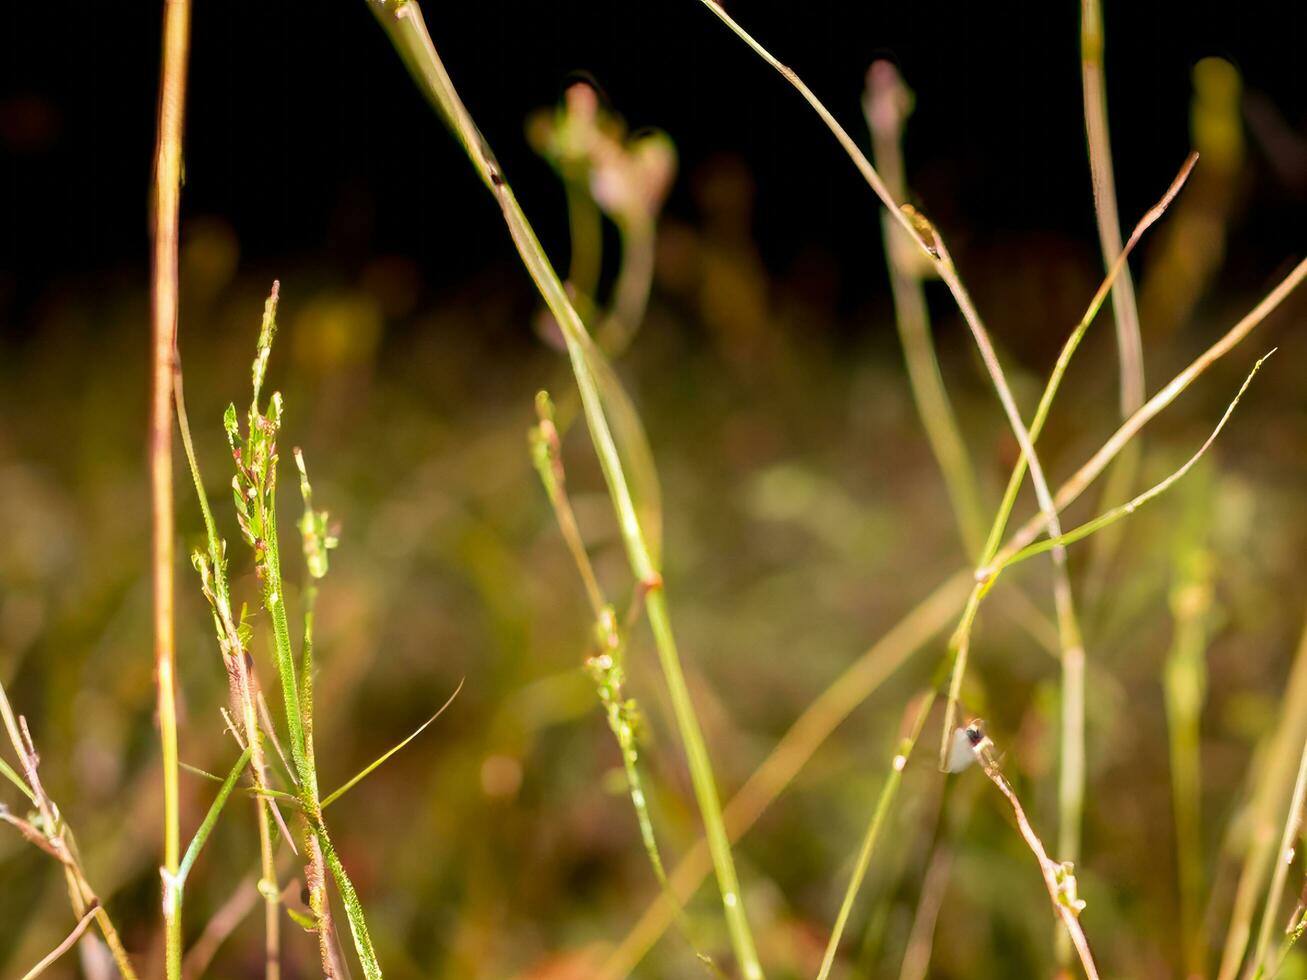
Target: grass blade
(7,771)
(210,820)
(1124,510)
(333,796)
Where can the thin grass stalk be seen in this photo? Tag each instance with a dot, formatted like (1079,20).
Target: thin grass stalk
(1184,683)
(920,943)
(315,880)
(631,291)
(1129,343)
(315,868)
(242,683)
(1284,858)
(210,821)
(49,959)
(359,776)
(928,240)
(166,202)
(316,541)
(886,107)
(1072,772)
(403,22)
(885,800)
(8,772)
(1297,926)
(921,937)
(255,496)
(1124,308)
(1071,781)
(1264,810)
(585,228)
(1072,345)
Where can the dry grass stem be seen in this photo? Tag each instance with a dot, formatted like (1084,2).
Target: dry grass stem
(166,203)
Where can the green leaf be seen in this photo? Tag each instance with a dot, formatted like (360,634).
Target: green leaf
(210,820)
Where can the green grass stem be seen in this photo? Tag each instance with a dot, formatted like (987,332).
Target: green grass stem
(404,24)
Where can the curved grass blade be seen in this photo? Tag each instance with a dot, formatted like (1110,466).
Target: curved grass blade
(337,794)
(7,771)
(1128,508)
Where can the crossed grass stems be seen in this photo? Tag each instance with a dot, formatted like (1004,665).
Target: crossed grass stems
(601,395)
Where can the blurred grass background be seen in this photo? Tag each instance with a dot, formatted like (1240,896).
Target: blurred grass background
(804,513)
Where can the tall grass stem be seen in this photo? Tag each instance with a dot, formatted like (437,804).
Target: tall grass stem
(166,202)
(404,24)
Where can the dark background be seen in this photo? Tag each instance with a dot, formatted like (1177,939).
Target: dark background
(304,133)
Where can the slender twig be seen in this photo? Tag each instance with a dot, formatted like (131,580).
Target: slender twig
(63,947)
(55,837)
(167,194)
(403,22)
(1058,877)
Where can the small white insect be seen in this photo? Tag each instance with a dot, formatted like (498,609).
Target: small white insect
(968,745)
